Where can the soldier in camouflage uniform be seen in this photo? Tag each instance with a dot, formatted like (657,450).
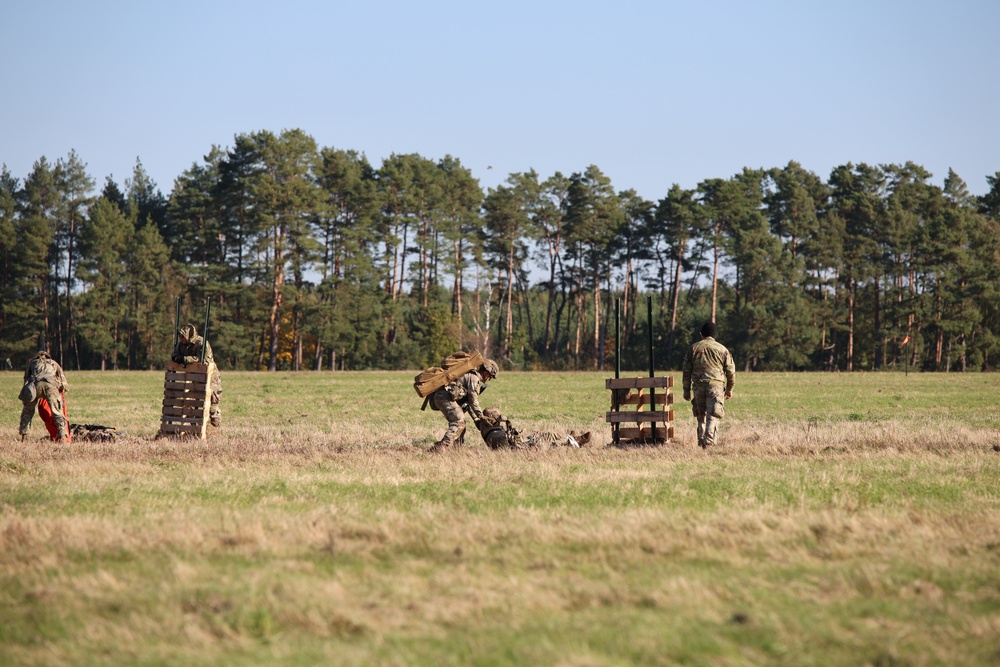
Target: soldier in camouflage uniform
(710,373)
(44,379)
(188,351)
(461,395)
(499,433)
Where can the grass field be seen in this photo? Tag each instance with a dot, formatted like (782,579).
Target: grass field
(842,520)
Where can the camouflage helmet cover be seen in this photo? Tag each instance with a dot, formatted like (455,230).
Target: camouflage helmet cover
(187,332)
(491,367)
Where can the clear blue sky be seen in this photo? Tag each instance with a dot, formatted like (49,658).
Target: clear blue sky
(653,93)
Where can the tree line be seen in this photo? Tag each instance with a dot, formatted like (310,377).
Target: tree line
(313,258)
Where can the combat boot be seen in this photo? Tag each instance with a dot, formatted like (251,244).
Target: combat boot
(438,447)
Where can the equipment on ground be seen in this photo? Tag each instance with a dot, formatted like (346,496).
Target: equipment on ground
(95,432)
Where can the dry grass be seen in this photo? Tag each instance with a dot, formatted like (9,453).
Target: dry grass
(321,532)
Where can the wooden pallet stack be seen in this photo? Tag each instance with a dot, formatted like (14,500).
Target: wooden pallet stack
(644,404)
(187,400)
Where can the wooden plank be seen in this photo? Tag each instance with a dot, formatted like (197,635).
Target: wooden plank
(184,410)
(643,399)
(198,412)
(184,400)
(185,386)
(181,420)
(172,427)
(633,383)
(181,429)
(643,434)
(641,416)
(188,368)
(186,377)
(185,395)
(185,391)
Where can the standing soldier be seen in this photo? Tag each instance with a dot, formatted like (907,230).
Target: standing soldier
(462,394)
(44,386)
(188,351)
(709,370)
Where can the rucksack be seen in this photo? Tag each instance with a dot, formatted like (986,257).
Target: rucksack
(28,391)
(452,367)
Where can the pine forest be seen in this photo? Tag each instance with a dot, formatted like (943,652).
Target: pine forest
(313,258)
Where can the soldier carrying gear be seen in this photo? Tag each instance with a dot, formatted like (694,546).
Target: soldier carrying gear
(188,351)
(44,386)
(459,397)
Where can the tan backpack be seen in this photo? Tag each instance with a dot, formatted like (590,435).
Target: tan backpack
(452,367)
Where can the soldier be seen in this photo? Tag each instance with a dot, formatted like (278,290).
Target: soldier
(44,386)
(499,433)
(188,351)
(708,370)
(461,395)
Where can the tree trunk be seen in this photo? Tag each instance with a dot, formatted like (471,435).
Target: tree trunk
(715,277)
(274,319)
(850,326)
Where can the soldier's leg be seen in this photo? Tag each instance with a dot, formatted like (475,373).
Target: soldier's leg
(714,412)
(698,407)
(55,412)
(45,413)
(456,422)
(27,414)
(214,411)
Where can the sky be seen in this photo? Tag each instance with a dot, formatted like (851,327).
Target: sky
(653,93)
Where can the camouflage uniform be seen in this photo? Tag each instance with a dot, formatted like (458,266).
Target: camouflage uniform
(709,371)
(188,351)
(499,433)
(46,377)
(461,395)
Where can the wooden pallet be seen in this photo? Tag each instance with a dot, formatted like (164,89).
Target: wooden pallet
(187,400)
(651,415)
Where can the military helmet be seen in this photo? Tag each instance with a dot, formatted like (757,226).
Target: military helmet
(491,367)
(496,438)
(187,332)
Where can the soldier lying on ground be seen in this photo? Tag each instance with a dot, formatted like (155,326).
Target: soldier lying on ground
(499,433)
(95,432)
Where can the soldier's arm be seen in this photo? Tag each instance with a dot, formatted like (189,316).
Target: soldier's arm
(686,374)
(730,370)
(472,395)
(192,358)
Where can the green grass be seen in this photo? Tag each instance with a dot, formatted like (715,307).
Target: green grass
(843,520)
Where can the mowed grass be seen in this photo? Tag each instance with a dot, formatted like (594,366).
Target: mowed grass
(843,520)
